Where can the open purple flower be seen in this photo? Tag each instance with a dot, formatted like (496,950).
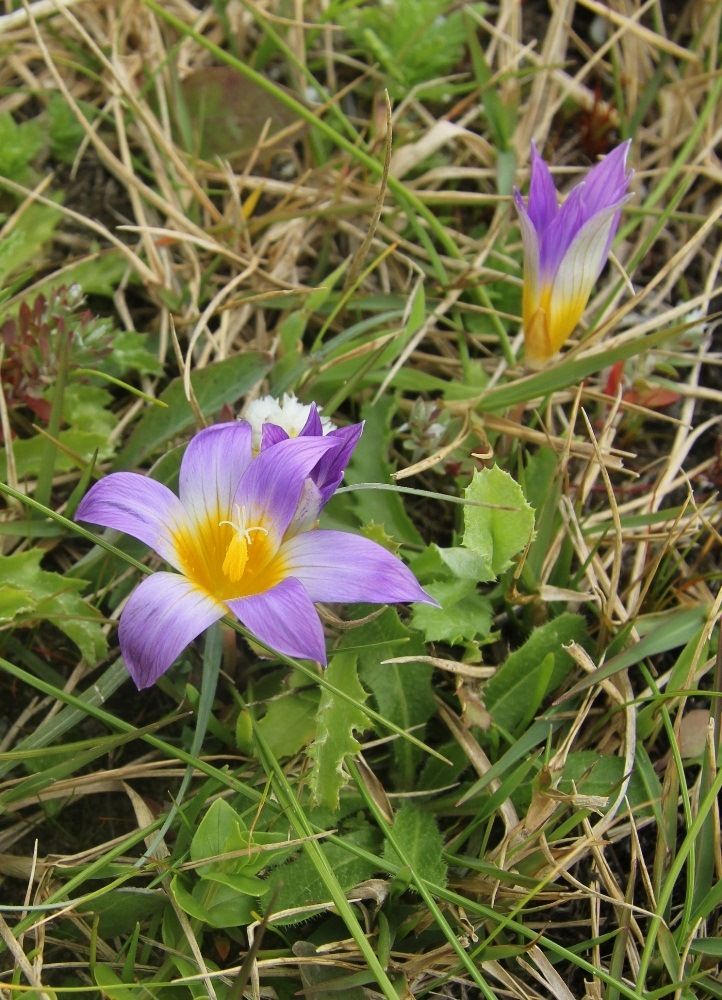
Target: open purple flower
(242,537)
(566,247)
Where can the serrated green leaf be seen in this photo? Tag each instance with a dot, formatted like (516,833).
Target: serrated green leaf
(130,353)
(55,599)
(297,883)
(224,382)
(465,614)
(513,695)
(336,723)
(14,601)
(402,691)
(500,528)
(290,723)
(419,842)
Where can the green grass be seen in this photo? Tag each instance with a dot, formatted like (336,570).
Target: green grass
(515,795)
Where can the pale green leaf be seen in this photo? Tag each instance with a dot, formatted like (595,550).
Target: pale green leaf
(298,884)
(502,525)
(336,723)
(55,599)
(218,832)
(419,842)
(513,694)
(290,723)
(369,465)
(465,614)
(402,691)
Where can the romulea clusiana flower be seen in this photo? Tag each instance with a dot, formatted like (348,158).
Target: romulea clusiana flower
(565,248)
(243,538)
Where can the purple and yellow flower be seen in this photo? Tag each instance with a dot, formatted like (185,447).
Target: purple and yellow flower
(566,247)
(243,540)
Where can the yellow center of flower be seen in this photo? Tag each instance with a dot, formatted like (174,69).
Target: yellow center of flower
(229,558)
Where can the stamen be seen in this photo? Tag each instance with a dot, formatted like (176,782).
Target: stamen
(236,558)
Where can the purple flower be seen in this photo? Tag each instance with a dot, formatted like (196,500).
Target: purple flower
(274,420)
(242,536)
(566,247)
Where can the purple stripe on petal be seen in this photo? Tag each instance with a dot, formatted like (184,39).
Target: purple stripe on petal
(272,485)
(329,472)
(212,467)
(557,237)
(313,426)
(272,434)
(284,619)
(607,182)
(578,272)
(139,506)
(163,614)
(338,566)
(542,202)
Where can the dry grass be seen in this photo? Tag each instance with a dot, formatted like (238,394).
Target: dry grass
(557,887)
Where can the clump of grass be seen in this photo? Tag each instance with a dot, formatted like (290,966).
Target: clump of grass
(513,796)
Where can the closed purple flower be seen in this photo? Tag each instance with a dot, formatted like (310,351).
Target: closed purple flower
(242,536)
(566,247)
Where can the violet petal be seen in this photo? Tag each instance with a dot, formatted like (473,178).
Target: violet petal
(163,614)
(284,619)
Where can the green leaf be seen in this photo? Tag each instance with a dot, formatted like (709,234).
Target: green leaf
(336,723)
(402,691)
(297,883)
(31,230)
(419,842)
(66,132)
(14,601)
(414,40)
(218,832)
(19,144)
(369,465)
(213,903)
(29,452)
(224,382)
(513,694)
(130,353)
(290,722)
(465,614)
(707,946)
(55,599)
(500,528)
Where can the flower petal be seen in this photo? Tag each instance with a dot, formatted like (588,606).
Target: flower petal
(271,487)
(577,274)
(542,202)
(607,182)
(313,426)
(137,505)
(212,467)
(329,472)
(339,566)
(530,240)
(271,434)
(163,614)
(284,619)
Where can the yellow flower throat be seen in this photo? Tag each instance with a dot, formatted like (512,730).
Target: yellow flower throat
(229,558)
